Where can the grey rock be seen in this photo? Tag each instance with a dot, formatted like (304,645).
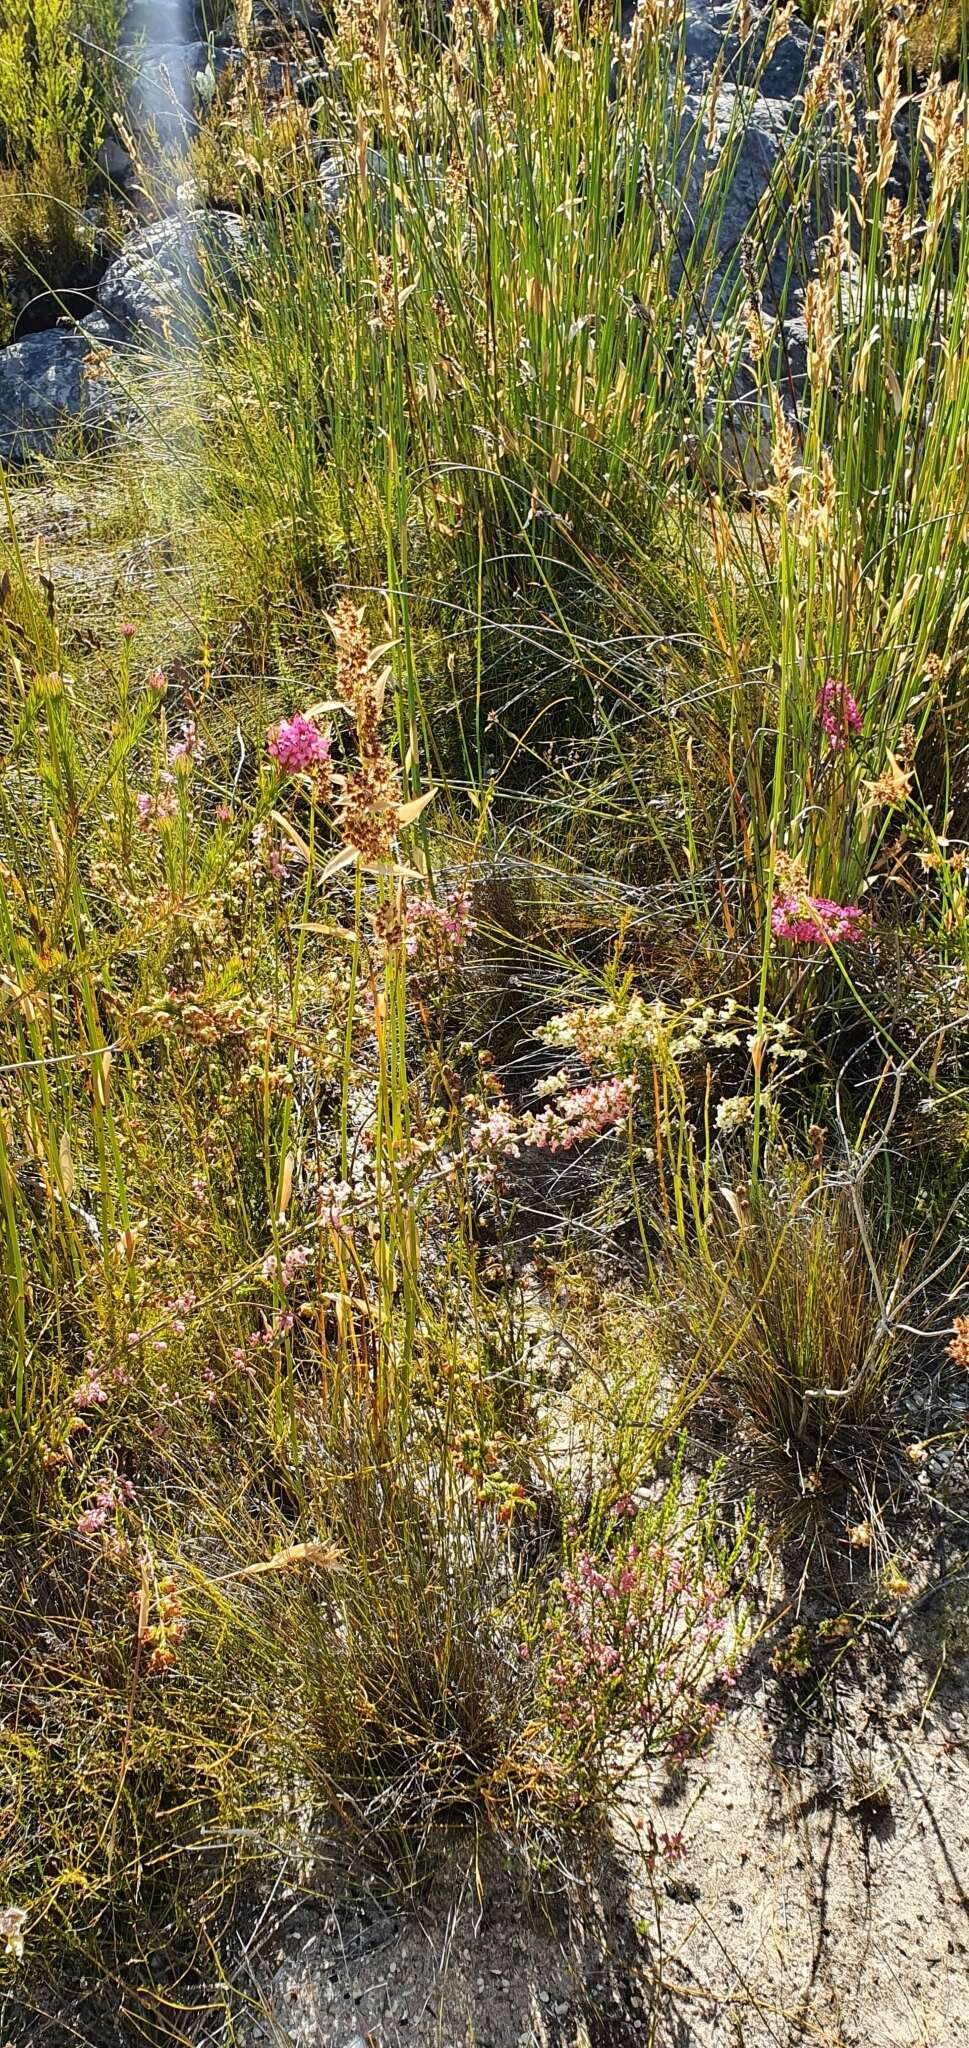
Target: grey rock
(309,86)
(337,174)
(161,278)
(45,386)
(162,93)
(755,133)
(298,13)
(711,42)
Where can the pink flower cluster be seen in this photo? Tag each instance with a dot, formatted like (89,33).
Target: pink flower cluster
(172,1311)
(298,744)
(436,929)
(111,1494)
(815,920)
(332,1202)
(838,713)
(90,1392)
(670,1847)
(572,1119)
(583,1114)
(496,1131)
(285,1269)
(264,1337)
(185,750)
(273,856)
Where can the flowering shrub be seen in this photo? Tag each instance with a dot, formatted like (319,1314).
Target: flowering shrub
(159,809)
(110,1495)
(433,931)
(186,749)
(643,1047)
(494,1134)
(643,1639)
(582,1114)
(628,1036)
(284,1270)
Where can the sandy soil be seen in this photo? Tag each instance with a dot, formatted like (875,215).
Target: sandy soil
(822,1896)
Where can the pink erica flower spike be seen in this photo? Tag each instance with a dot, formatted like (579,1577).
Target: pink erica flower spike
(298,744)
(838,714)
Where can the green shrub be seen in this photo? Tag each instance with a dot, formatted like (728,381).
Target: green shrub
(55,80)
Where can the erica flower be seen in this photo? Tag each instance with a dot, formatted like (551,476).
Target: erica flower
(90,1393)
(285,1269)
(183,751)
(838,714)
(297,744)
(333,1199)
(273,856)
(436,928)
(494,1136)
(583,1114)
(156,810)
(815,920)
(91,1521)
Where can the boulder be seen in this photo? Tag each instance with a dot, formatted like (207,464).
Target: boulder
(156,287)
(291,14)
(754,133)
(711,43)
(161,278)
(711,40)
(48,382)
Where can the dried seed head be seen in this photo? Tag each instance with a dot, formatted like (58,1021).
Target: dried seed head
(791,875)
(943,130)
(370,808)
(779,26)
(891,788)
(820,319)
(844,115)
(783,450)
(898,234)
(889,74)
(958,1350)
(356,683)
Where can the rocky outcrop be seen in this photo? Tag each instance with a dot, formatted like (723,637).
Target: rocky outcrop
(154,290)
